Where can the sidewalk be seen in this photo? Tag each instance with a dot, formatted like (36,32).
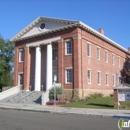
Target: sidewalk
(67,110)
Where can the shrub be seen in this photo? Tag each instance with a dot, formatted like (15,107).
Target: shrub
(58,91)
(95,95)
(111,95)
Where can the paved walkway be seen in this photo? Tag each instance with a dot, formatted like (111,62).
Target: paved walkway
(68,110)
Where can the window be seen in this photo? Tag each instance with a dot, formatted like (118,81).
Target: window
(107,79)
(88,49)
(20,79)
(68,75)
(21,55)
(99,77)
(123,62)
(106,56)
(113,59)
(89,76)
(113,78)
(68,47)
(55,54)
(119,61)
(98,53)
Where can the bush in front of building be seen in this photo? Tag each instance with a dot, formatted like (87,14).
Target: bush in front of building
(58,90)
(95,95)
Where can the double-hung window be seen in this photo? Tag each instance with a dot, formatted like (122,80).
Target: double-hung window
(88,49)
(106,56)
(107,79)
(89,76)
(113,59)
(21,55)
(113,78)
(98,53)
(55,54)
(20,79)
(99,78)
(69,75)
(68,44)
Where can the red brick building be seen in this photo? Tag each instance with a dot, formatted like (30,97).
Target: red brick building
(83,59)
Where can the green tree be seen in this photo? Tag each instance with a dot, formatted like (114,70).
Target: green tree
(6,62)
(125,72)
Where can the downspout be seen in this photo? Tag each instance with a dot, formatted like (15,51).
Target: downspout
(73,68)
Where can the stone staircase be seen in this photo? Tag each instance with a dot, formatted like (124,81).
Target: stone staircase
(24,97)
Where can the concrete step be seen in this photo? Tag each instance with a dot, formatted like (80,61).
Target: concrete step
(24,97)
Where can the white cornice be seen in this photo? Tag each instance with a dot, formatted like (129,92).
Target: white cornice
(33,44)
(32,24)
(71,24)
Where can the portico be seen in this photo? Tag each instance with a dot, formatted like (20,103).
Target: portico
(41,67)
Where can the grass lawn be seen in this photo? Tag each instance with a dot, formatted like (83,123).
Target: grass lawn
(103,102)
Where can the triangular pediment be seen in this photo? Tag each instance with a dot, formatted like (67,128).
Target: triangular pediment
(41,25)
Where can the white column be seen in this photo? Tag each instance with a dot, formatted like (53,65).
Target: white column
(49,67)
(38,69)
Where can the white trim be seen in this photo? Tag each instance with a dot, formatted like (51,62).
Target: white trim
(32,24)
(113,59)
(102,36)
(106,56)
(21,50)
(88,43)
(72,23)
(68,40)
(19,73)
(33,44)
(98,54)
(69,68)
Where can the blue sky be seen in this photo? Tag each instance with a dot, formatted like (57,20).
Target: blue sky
(111,15)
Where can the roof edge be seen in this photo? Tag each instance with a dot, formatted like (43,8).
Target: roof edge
(38,19)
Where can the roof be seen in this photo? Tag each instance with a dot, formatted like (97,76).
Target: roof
(71,24)
(122,86)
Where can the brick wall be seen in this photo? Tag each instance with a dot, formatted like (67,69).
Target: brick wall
(79,60)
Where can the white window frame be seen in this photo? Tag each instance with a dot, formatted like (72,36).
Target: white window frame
(106,56)
(107,79)
(113,80)
(89,76)
(113,59)
(119,61)
(88,49)
(98,53)
(99,77)
(54,54)
(21,52)
(66,74)
(19,75)
(66,49)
